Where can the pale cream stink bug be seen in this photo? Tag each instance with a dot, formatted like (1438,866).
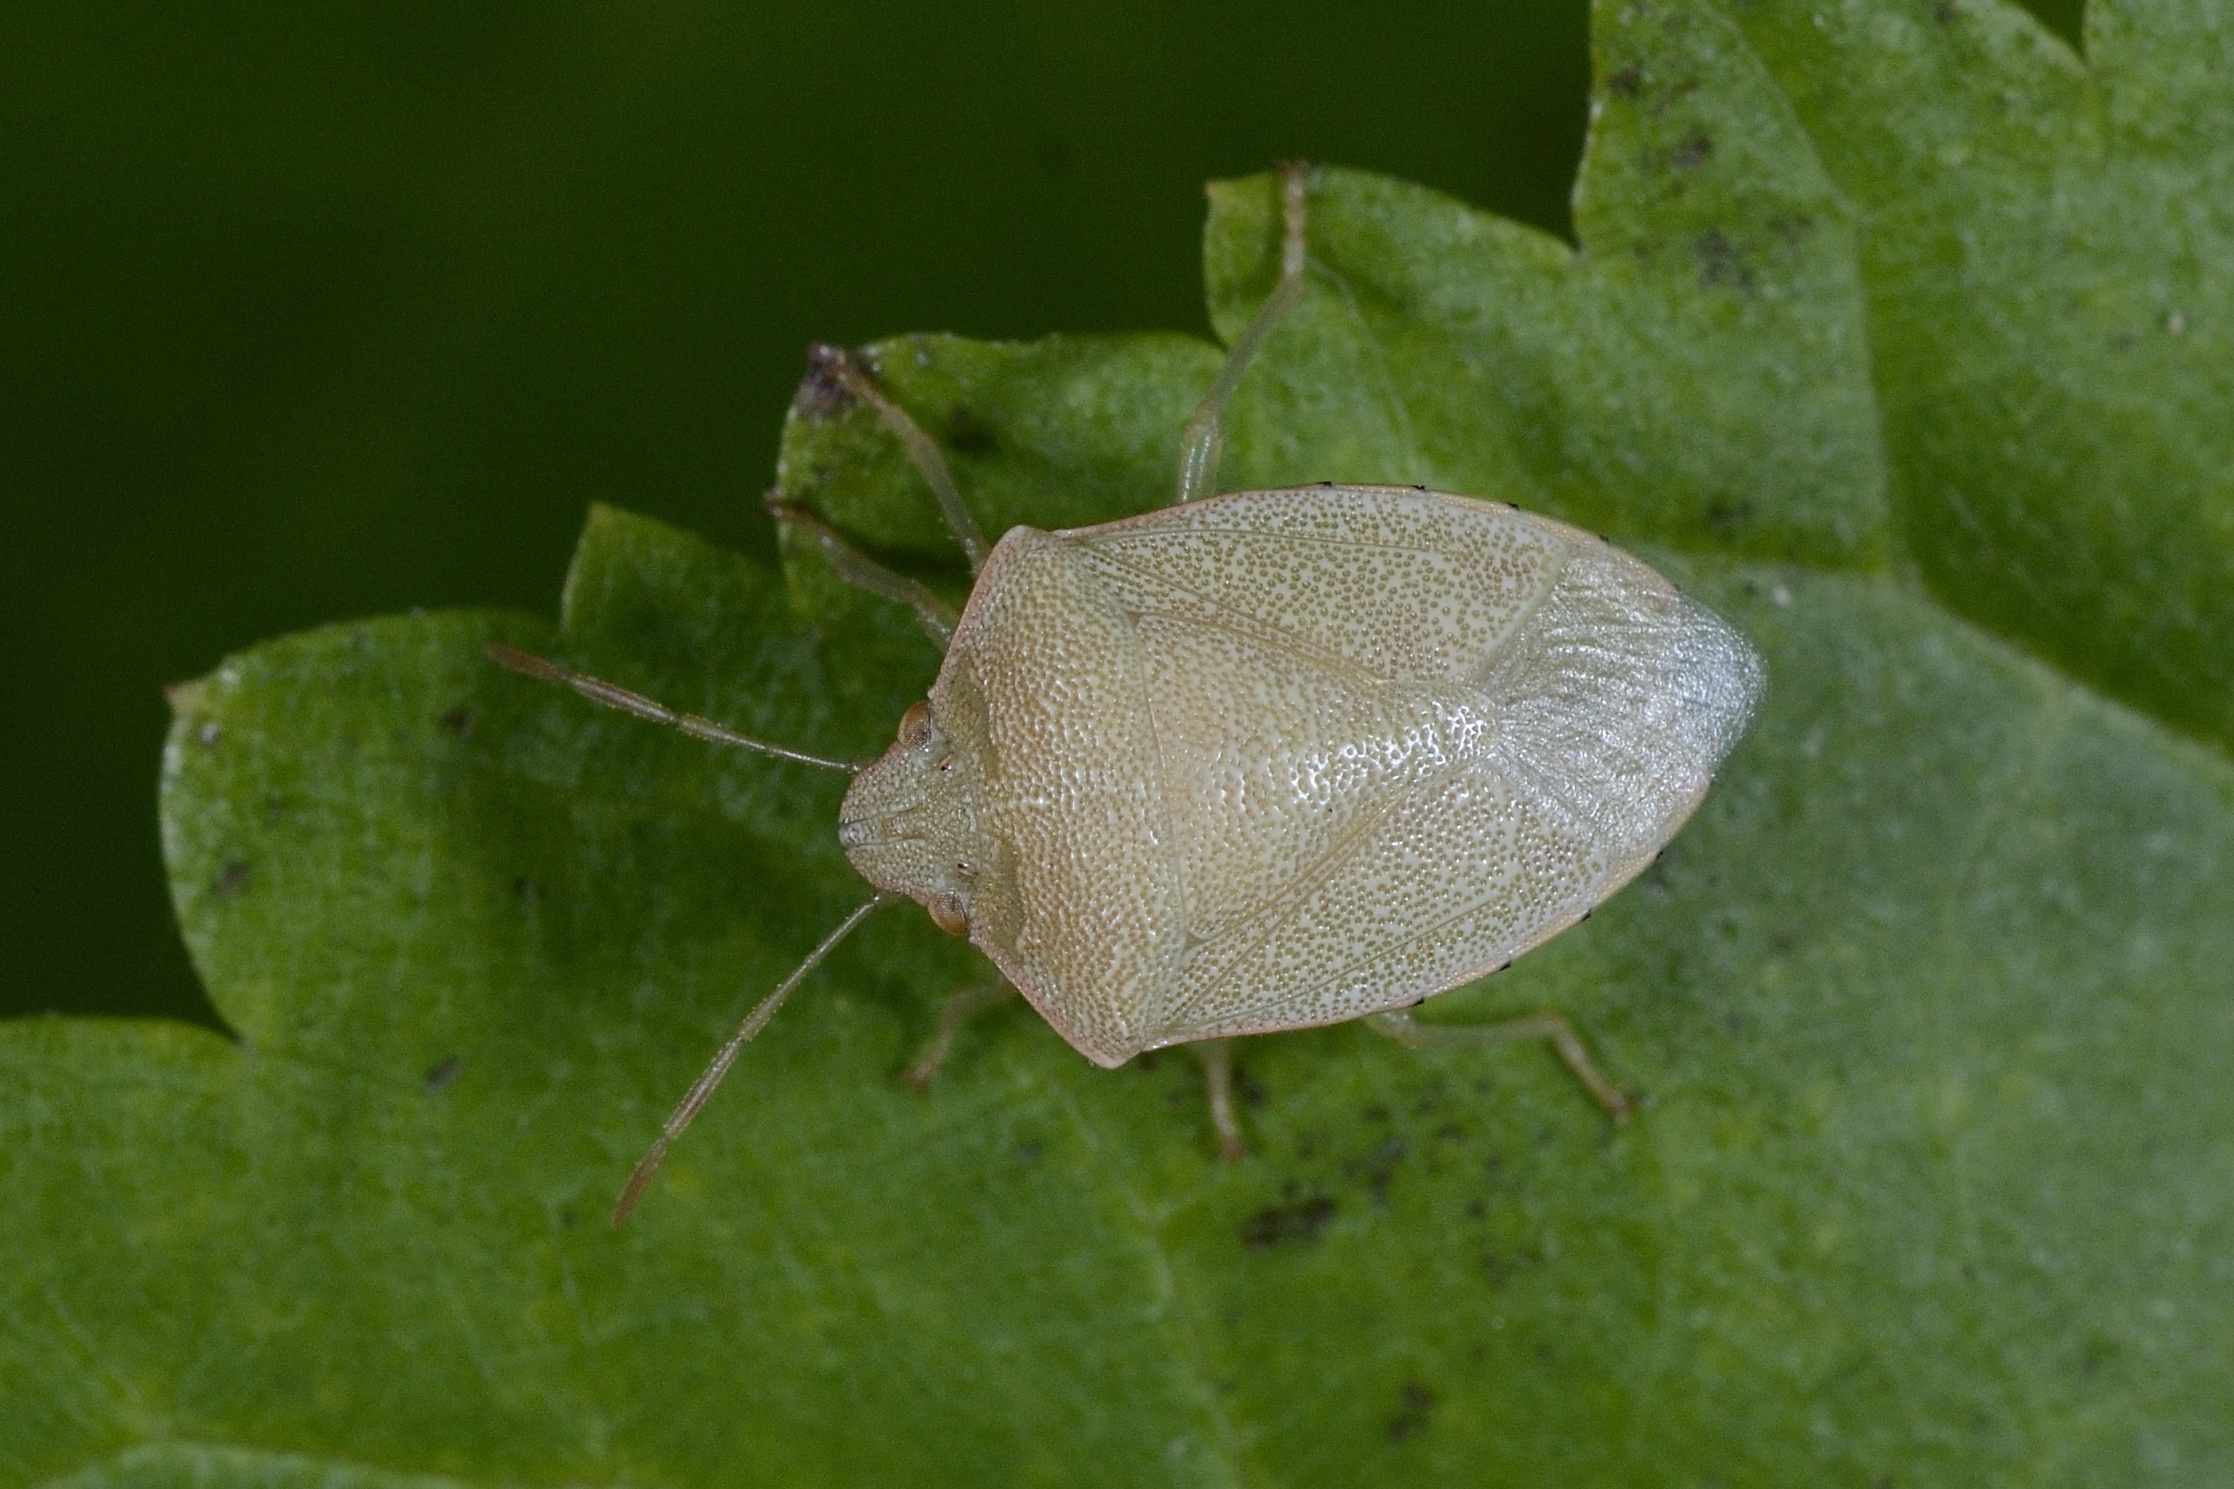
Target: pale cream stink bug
(1263,760)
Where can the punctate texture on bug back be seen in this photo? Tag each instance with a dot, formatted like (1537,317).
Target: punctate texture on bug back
(1282,758)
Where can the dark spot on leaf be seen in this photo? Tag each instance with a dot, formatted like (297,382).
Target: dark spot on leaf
(1726,515)
(1628,82)
(967,434)
(822,393)
(1450,1132)
(1414,1402)
(1721,265)
(1695,150)
(2097,1352)
(1378,1168)
(458,721)
(1250,1091)
(526,890)
(1943,12)
(1277,1225)
(232,879)
(1376,1112)
(441,1073)
(1028,1150)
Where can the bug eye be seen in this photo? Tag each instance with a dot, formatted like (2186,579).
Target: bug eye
(915,724)
(947,914)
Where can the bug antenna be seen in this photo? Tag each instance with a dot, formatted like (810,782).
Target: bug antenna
(695,1099)
(598,690)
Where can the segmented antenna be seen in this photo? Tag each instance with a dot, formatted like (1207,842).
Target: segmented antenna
(612,695)
(694,1099)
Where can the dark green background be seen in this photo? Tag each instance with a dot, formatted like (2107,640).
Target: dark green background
(319,312)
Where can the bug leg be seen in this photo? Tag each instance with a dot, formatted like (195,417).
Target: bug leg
(1216,1056)
(961,1006)
(1411,1033)
(1205,436)
(836,363)
(863,572)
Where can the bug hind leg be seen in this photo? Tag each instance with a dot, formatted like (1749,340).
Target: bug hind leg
(1205,436)
(1547,1025)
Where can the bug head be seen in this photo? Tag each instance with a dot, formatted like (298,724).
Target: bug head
(909,822)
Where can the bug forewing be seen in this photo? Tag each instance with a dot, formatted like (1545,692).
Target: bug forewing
(1340,747)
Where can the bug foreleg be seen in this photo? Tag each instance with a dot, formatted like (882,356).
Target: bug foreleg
(1205,436)
(922,450)
(863,572)
(1411,1033)
(963,1004)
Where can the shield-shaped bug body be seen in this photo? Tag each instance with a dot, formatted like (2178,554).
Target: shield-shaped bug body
(1269,759)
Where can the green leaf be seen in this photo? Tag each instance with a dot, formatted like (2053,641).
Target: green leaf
(1896,332)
